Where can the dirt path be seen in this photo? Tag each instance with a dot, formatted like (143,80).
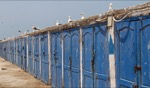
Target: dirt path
(13,77)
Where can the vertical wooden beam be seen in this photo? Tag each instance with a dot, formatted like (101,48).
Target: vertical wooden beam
(62,47)
(23,53)
(33,54)
(40,53)
(110,24)
(49,56)
(81,71)
(17,52)
(27,52)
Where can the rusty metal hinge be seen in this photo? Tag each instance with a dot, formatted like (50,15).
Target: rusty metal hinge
(137,68)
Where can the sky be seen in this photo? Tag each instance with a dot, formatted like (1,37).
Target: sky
(20,15)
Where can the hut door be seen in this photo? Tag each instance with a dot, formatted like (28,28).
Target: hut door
(145,54)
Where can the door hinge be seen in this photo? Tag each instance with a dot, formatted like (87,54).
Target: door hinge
(137,68)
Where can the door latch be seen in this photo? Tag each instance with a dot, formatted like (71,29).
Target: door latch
(70,59)
(135,86)
(137,68)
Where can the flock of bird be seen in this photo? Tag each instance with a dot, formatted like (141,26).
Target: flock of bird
(69,19)
(57,23)
(34,28)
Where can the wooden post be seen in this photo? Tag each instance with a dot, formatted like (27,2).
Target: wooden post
(49,57)
(81,72)
(110,24)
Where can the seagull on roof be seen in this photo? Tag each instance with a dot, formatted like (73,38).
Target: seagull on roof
(57,23)
(35,28)
(110,7)
(19,31)
(69,19)
(82,16)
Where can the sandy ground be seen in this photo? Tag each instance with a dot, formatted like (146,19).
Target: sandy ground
(13,77)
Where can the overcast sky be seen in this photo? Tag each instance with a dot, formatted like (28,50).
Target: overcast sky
(20,15)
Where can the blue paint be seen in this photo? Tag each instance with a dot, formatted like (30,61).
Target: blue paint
(56,60)
(71,58)
(21,53)
(144,37)
(95,56)
(111,46)
(126,51)
(36,57)
(25,54)
(44,58)
(30,57)
(15,51)
(101,58)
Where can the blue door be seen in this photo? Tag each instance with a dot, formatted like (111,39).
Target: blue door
(56,60)
(44,58)
(30,50)
(46,61)
(12,51)
(36,57)
(21,53)
(67,59)
(101,57)
(53,61)
(25,54)
(20,48)
(42,55)
(145,54)
(15,51)
(88,59)
(71,58)
(126,54)
(95,56)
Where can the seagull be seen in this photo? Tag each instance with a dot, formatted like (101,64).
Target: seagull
(69,19)
(19,31)
(57,23)
(110,7)
(35,28)
(99,19)
(82,16)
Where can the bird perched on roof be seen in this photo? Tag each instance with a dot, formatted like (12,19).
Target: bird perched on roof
(35,28)
(69,19)
(82,16)
(57,23)
(110,7)
(19,31)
